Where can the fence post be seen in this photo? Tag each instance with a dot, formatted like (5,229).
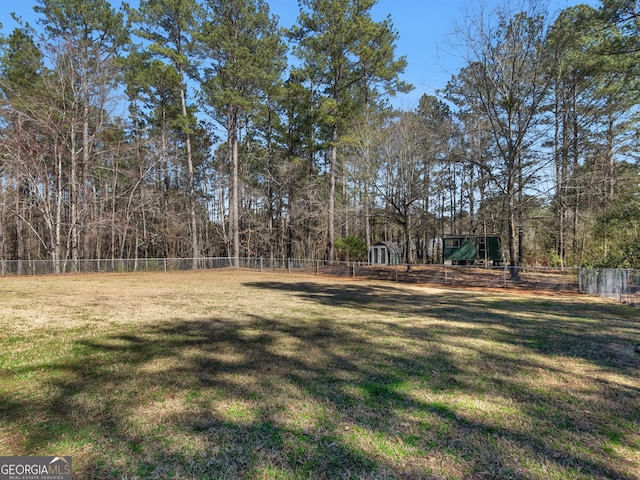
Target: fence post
(505,274)
(165,265)
(289,265)
(579,279)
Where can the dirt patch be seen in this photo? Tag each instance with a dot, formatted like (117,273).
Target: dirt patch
(530,280)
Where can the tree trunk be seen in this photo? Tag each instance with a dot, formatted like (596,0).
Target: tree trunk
(236,202)
(73,239)
(20,207)
(331,237)
(575,153)
(3,250)
(408,232)
(513,253)
(234,213)
(86,156)
(195,248)
(19,215)
(56,250)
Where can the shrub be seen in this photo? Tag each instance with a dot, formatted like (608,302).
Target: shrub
(629,257)
(353,248)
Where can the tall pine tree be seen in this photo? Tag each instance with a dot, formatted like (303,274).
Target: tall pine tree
(244,58)
(351,58)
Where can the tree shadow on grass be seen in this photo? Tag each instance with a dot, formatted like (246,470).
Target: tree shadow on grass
(319,397)
(600,334)
(553,325)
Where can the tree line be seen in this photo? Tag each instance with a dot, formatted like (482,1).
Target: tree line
(192,128)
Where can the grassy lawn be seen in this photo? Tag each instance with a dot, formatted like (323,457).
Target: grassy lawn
(237,375)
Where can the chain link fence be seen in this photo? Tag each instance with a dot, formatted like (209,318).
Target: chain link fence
(529,278)
(622,285)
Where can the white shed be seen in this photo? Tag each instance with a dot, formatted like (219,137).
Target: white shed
(384,253)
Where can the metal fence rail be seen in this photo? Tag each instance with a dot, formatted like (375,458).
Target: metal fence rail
(539,278)
(621,284)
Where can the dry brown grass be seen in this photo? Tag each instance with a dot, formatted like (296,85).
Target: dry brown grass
(227,374)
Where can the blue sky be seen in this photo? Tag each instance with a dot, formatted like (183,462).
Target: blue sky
(425,28)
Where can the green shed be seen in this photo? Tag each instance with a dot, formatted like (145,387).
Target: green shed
(463,249)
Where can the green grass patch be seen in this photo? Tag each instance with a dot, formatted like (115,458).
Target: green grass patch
(233,375)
